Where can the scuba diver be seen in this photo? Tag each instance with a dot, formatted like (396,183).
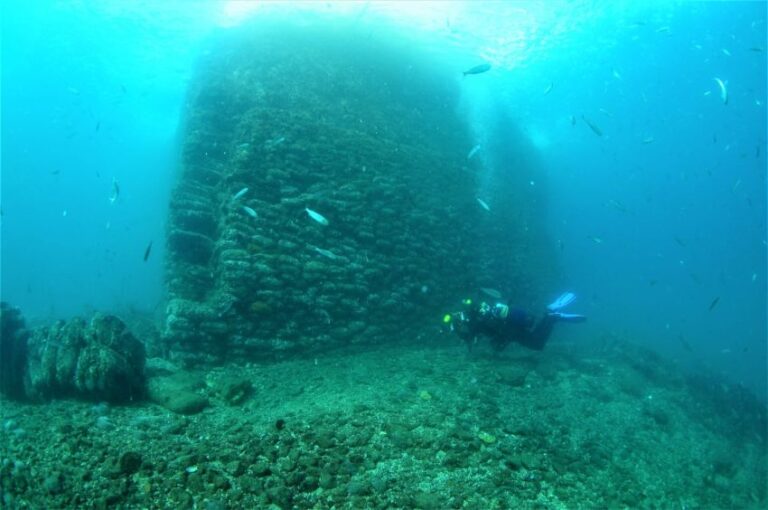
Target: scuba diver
(504,325)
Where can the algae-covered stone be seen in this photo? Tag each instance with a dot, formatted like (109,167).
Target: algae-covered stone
(129,463)
(178,392)
(486,438)
(97,360)
(13,351)
(234,390)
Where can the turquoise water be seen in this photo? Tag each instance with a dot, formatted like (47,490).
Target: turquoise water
(659,221)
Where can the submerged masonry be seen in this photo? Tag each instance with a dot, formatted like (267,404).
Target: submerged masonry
(326,197)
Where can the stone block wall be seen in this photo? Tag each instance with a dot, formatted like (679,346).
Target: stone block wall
(365,133)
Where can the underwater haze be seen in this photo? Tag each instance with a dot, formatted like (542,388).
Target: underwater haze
(238,242)
(655,174)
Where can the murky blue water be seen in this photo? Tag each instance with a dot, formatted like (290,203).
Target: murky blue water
(658,209)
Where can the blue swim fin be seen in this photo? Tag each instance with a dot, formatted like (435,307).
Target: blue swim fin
(564,300)
(568,317)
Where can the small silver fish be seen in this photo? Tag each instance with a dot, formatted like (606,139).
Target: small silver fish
(596,130)
(250,211)
(473,151)
(115,191)
(549,88)
(240,193)
(478,69)
(274,143)
(723,90)
(615,204)
(325,253)
(483,204)
(648,139)
(316,216)
(495,294)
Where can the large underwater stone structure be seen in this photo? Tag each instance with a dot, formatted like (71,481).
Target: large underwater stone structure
(14,337)
(98,359)
(365,133)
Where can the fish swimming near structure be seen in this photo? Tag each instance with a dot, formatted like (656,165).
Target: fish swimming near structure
(325,253)
(615,204)
(115,191)
(240,193)
(473,151)
(478,69)
(605,112)
(495,294)
(316,216)
(592,126)
(250,212)
(147,251)
(723,90)
(272,143)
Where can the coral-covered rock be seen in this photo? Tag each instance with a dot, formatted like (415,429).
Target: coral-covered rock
(13,351)
(178,392)
(96,360)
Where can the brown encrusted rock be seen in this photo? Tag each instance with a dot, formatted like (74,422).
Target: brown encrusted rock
(178,392)
(13,351)
(97,360)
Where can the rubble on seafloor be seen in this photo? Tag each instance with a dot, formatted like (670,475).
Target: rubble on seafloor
(420,424)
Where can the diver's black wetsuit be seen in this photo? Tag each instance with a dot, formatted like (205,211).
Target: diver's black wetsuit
(502,329)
